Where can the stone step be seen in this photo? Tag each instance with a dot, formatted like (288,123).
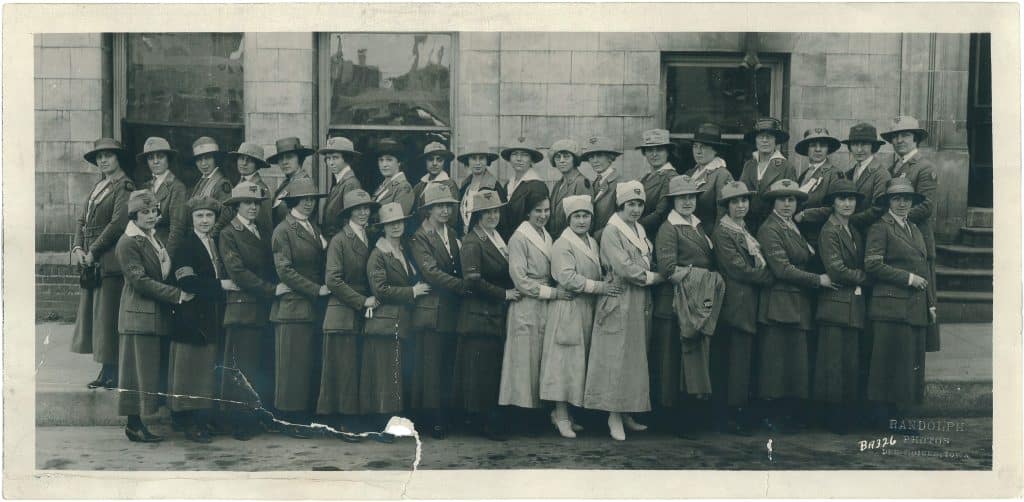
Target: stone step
(961,256)
(963,279)
(980,217)
(976,236)
(964,306)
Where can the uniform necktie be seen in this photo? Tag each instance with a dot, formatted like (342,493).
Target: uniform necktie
(597,185)
(214,259)
(252,228)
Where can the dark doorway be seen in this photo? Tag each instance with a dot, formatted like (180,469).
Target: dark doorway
(979,122)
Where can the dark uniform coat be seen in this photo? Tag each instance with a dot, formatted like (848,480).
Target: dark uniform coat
(778,168)
(516,212)
(711,181)
(815,212)
(743,279)
(173,215)
(417,190)
(871,184)
(279,208)
(576,184)
(604,201)
(397,189)
(218,187)
(299,261)
(442,270)
(264,218)
(657,206)
(249,262)
(333,222)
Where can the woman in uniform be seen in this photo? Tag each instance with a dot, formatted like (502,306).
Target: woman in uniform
(565,157)
(299,252)
(251,285)
(740,260)
(529,264)
(477,156)
(343,322)
(144,315)
(389,349)
(901,306)
(195,343)
(767,166)
(657,148)
(680,366)
(576,267)
(816,181)
(289,156)
(710,173)
(840,312)
(784,308)
(170,192)
(103,221)
(435,249)
(481,321)
(339,155)
(395,187)
(436,158)
(248,159)
(600,153)
(617,378)
(213,181)
(525,185)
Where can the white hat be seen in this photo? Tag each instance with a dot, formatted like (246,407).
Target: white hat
(574,203)
(629,190)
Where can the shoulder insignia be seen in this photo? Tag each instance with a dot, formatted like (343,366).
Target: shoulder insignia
(777,162)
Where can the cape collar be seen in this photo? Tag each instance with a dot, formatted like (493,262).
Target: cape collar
(442,176)
(636,235)
(541,240)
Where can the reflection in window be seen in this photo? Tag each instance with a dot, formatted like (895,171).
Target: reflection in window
(185,77)
(391,79)
(729,96)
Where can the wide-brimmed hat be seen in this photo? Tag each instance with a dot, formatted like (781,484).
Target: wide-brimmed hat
(655,137)
(905,123)
(599,144)
(565,145)
(436,148)
(155,144)
(389,146)
(682,185)
(106,145)
(770,125)
(842,188)
(734,189)
(784,188)
(708,134)
(391,212)
(356,198)
(820,135)
(477,148)
(437,193)
(142,199)
(484,200)
(206,145)
(289,145)
(535,155)
(339,144)
(574,203)
(250,150)
(302,187)
(899,186)
(864,133)
(629,190)
(204,202)
(246,191)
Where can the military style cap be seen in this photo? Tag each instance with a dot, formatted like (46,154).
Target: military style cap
(905,123)
(899,186)
(155,144)
(302,187)
(437,193)
(484,200)
(205,145)
(391,212)
(339,144)
(289,145)
(599,144)
(655,137)
(734,189)
(682,185)
(106,145)
(566,145)
(820,135)
(769,125)
(535,155)
(436,148)
(356,198)
(477,148)
(783,188)
(864,133)
(629,190)
(574,203)
(250,150)
(246,191)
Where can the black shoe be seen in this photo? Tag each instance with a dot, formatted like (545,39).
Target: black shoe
(141,435)
(109,383)
(95,384)
(439,432)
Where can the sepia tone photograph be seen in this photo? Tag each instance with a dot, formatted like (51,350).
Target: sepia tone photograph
(405,257)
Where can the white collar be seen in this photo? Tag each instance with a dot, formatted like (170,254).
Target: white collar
(607,174)
(775,155)
(529,175)
(249,177)
(812,166)
(208,176)
(133,230)
(541,240)
(636,235)
(576,242)
(495,239)
(667,167)
(901,221)
(442,176)
(357,228)
(299,216)
(341,174)
(243,220)
(677,219)
(201,236)
(788,221)
(713,164)
(384,245)
(867,162)
(161,178)
(909,156)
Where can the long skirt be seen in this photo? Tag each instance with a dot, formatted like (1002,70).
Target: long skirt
(385,374)
(664,358)
(695,375)
(339,379)
(192,376)
(732,355)
(96,321)
(897,363)
(563,371)
(782,362)
(295,368)
(243,350)
(433,370)
(138,374)
(835,374)
(478,372)
(617,375)
(524,346)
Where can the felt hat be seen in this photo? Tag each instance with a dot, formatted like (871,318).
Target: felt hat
(655,137)
(206,145)
(842,188)
(391,212)
(783,188)
(302,187)
(565,145)
(599,144)
(436,148)
(820,135)
(205,202)
(484,200)
(734,189)
(769,125)
(339,144)
(246,191)
(155,144)
(477,148)
(289,145)
(629,190)
(142,199)
(864,133)
(574,203)
(437,193)
(899,186)
(682,185)
(389,146)
(535,155)
(356,198)
(905,123)
(250,150)
(708,134)
(107,145)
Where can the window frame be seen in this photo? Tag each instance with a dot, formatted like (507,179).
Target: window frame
(775,62)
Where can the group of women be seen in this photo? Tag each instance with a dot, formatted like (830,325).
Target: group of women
(513,305)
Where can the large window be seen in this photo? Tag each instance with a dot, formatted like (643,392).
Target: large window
(388,85)
(714,88)
(180,86)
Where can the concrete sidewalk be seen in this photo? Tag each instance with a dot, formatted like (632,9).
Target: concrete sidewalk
(959,378)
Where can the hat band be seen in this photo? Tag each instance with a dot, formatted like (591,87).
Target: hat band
(204,149)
